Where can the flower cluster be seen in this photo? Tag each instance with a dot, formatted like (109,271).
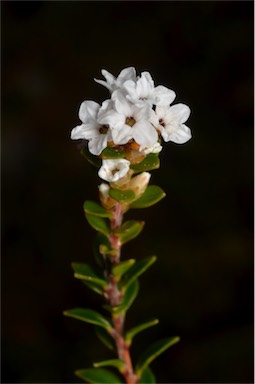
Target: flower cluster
(137,116)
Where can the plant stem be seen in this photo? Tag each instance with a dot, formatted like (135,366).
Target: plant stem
(114,296)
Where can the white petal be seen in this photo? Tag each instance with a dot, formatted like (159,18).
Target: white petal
(161,111)
(145,134)
(108,76)
(78,132)
(178,112)
(145,85)
(123,135)
(179,136)
(104,83)
(97,144)
(121,104)
(88,111)
(127,74)
(112,118)
(163,96)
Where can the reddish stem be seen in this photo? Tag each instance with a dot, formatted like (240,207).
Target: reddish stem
(114,296)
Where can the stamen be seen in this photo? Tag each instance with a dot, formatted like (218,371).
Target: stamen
(103,129)
(161,122)
(130,121)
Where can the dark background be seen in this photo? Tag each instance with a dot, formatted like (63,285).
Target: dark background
(201,287)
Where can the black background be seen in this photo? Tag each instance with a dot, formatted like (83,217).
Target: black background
(201,287)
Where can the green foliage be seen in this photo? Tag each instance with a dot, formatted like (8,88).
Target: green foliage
(84,271)
(117,363)
(139,328)
(94,160)
(119,269)
(123,196)
(93,208)
(100,242)
(89,316)
(154,351)
(113,153)
(136,270)
(150,162)
(147,377)
(128,298)
(98,376)
(129,230)
(98,223)
(105,338)
(152,195)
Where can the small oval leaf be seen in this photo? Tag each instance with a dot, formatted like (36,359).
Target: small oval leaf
(150,162)
(113,153)
(89,316)
(117,363)
(98,223)
(154,351)
(93,208)
(84,271)
(105,338)
(129,230)
(152,195)
(123,196)
(136,270)
(119,269)
(98,376)
(128,298)
(139,328)
(147,377)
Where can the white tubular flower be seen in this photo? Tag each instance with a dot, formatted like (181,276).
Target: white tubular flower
(143,91)
(113,83)
(113,169)
(97,134)
(170,123)
(130,122)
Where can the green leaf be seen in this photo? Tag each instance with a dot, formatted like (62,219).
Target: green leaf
(151,196)
(94,287)
(136,270)
(97,376)
(150,162)
(94,160)
(106,339)
(119,269)
(128,298)
(129,230)
(86,272)
(99,242)
(123,196)
(139,328)
(98,224)
(93,208)
(113,153)
(147,377)
(89,316)
(154,351)
(117,363)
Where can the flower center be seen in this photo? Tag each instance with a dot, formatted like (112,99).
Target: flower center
(115,171)
(161,122)
(103,129)
(130,121)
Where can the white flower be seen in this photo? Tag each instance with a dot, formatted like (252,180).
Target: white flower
(156,148)
(113,83)
(130,122)
(113,169)
(170,123)
(97,134)
(143,91)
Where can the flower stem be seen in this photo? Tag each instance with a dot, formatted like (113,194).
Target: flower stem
(114,296)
